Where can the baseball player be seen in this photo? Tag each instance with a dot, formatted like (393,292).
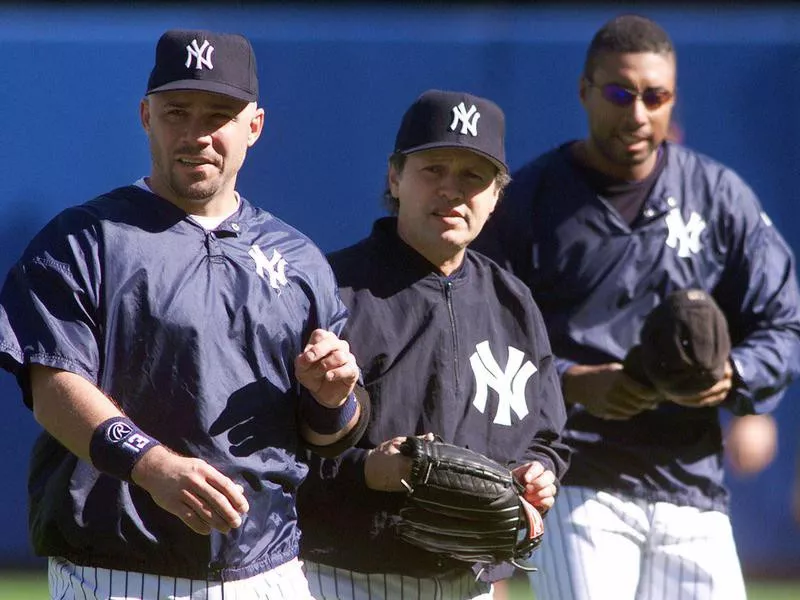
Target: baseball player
(602,230)
(178,344)
(449,344)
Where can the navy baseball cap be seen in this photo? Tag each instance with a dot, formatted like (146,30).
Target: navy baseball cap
(223,63)
(685,345)
(442,119)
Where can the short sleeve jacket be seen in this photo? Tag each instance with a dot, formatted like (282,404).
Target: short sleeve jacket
(194,334)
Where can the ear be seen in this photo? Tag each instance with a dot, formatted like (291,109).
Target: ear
(144,114)
(495,200)
(583,89)
(256,127)
(394,180)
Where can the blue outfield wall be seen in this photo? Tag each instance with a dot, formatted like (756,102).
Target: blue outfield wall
(334,84)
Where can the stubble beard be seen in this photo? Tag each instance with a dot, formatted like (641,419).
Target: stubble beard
(195,193)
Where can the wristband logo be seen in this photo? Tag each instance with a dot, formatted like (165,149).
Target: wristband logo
(118,432)
(137,442)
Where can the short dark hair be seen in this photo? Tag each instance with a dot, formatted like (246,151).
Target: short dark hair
(398,161)
(627,34)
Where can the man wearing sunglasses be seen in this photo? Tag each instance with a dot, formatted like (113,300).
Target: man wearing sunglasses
(602,230)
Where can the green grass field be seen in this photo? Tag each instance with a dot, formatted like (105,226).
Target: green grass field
(33,586)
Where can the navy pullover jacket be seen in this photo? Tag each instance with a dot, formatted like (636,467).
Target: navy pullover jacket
(433,351)
(194,334)
(596,278)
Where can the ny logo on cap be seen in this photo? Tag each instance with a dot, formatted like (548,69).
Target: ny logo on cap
(201,54)
(468,118)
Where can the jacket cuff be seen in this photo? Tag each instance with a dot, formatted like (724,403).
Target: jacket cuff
(351,468)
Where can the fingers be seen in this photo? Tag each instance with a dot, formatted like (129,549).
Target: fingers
(710,397)
(645,395)
(583,384)
(206,508)
(615,407)
(193,519)
(347,373)
(627,398)
(194,491)
(227,499)
(544,504)
(528,473)
(539,484)
(385,467)
(199,515)
(391,446)
(325,360)
(324,352)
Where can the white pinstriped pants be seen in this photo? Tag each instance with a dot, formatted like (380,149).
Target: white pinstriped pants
(69,581)
(330,583)
(601,546)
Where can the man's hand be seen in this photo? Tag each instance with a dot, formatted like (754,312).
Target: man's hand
(710,397)
(385,466)
(327,368)
(606,392)
(192,490)
(751,443)
(539,483)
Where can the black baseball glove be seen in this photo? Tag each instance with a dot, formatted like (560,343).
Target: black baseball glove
(466,506)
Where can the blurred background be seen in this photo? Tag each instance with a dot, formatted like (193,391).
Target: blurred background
(335,79)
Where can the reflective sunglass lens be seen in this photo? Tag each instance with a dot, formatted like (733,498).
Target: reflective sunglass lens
(618,95)
(654,98)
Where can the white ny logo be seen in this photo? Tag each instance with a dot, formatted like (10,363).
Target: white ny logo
(201,54)
(275,267)
(684,236)
(509,385)
(469,119)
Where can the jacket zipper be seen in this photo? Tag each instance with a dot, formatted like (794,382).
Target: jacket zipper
(448,294)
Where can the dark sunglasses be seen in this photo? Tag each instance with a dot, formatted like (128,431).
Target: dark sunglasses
(617,95)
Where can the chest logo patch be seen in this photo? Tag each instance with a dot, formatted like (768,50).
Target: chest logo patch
(685,236)
(509,383)
(273,268)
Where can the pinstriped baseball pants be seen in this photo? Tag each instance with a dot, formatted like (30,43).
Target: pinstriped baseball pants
(330,583)
(69,581)
(601,546)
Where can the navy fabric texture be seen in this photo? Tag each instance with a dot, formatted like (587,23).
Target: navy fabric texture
(416,335)
(596,279)
(195,339)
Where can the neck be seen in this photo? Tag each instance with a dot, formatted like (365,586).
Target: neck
(445,259)
(221,203)
(449,267)
(446,264)
(590,156)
